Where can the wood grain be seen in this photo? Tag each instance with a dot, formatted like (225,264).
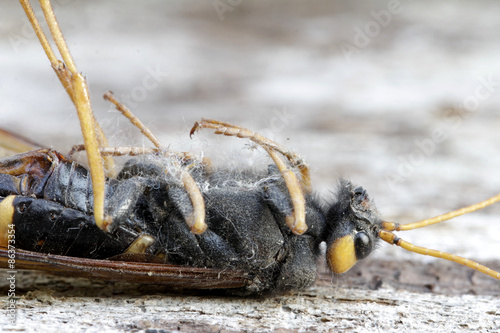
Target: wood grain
(390,117)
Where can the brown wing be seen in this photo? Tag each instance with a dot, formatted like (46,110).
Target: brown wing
(127,271)
(11,144)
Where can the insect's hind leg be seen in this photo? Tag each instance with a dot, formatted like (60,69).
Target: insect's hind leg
(76,87)
(295,188)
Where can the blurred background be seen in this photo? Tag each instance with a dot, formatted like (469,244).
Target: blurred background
(401,97)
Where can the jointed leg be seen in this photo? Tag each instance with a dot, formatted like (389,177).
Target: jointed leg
(228,129)
(133,119)
(197,221)
(297,222)
(184,157)
(76,87)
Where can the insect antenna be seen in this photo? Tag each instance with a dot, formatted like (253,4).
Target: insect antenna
(387,235)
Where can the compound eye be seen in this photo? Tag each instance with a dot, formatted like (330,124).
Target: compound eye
(362,245)
(344,252)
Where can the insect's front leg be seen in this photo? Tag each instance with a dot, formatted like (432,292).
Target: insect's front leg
(296,188)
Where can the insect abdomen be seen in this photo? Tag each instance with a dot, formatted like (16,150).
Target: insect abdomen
(49,227)
(70,185)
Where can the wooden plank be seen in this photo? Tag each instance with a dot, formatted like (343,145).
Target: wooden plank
(390,119)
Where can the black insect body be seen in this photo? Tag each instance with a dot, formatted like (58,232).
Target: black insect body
(247,231)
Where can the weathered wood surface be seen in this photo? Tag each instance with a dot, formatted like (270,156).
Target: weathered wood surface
(366,299)
(391,118)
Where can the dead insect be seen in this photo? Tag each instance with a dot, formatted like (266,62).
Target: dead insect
(169,218)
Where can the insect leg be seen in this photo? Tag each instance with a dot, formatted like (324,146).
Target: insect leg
(184,157)
(296,223)
(197,220)
(133,119)
(76,87)
(228,129)
(61,68)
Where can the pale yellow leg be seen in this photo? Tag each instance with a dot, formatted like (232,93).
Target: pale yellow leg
(197,220)
(76,87)
(229,129)
(133,119)
(296,223)
(185,157)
